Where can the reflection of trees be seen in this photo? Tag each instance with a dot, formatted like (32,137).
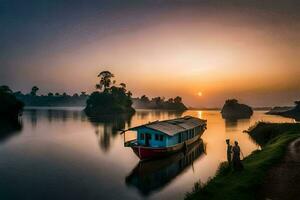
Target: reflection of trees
(54,115)
(158,114)
(108,126)
(8,129)
(233,123)
(152,175)
(33,118)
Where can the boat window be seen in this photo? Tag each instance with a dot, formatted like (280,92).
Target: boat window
(161,137)
(179,137)
(142,136)
(156,137)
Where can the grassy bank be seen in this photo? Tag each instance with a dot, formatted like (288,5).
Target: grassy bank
(228,184)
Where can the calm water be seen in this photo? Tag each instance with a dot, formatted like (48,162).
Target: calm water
(61,154)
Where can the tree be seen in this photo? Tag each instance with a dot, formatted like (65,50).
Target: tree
(34,90)
(5,89)
(145,99)
(111,100)
(158,100)
(231,101)
(105,80)
(123,85)
(18,93)
(57,94)
(75,95)
(178,99)
(129,94)
(170,100)
(10,106)
(50,94)
(83,94)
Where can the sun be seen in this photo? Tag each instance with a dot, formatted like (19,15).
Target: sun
(199,94)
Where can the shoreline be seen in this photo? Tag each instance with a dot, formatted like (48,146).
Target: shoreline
(274,139)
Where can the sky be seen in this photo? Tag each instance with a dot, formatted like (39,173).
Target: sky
(247,50)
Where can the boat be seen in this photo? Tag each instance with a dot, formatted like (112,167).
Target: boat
(161,138)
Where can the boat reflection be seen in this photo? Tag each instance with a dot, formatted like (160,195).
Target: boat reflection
(152,175)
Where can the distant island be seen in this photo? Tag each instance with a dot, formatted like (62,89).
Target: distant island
(10,106)
(291,112)
(159,103)
(110,99)
(232,109)
(52,99)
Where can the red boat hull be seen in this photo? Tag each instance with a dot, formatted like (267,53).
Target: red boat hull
(145,153)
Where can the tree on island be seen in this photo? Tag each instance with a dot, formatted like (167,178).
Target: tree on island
(34,90)
(105,80)
(110,99)
(10,106)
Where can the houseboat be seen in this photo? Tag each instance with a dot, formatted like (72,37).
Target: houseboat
(161,138)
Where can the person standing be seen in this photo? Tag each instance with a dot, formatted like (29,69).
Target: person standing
(236,160)
(229,151)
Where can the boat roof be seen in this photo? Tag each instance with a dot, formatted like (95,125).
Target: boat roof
(173,126)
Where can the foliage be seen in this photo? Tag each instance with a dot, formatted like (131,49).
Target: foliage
(234,110)
(105,80)
(112,99)
(34,90)
(10,107)
(50,99)
(291,112)
(228,184)
(159,103)
(263,132)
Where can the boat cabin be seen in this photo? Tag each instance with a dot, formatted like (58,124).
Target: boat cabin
(169,132)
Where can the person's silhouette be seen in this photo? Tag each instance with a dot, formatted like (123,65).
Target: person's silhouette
(236,161)
(229,151)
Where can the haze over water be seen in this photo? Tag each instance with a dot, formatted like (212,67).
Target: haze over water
(60,154)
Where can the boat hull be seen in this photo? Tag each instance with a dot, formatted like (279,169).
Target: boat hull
(145,153)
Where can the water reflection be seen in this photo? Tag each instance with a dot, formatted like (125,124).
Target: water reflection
(153,115)
(62,145)
(51,115)
(149,176)
(108,126)
(232,124)
(9,129)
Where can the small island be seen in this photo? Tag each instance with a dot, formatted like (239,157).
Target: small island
(10,107)
(291,112)
(110,99)
(232,109)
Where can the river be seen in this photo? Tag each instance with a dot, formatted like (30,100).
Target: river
(59,153)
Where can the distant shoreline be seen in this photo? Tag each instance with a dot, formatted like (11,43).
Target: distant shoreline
(139,109)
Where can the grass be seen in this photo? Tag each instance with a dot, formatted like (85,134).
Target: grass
(228,184)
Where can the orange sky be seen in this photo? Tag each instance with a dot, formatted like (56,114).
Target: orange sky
(249,54)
